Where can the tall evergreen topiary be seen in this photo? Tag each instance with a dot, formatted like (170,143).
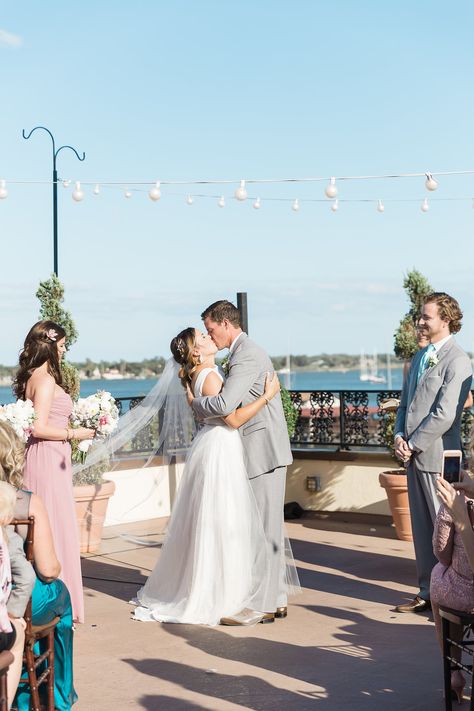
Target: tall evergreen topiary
(51,296)
(417,288)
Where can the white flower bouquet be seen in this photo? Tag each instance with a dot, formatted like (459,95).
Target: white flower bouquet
(98,412)
(20,415)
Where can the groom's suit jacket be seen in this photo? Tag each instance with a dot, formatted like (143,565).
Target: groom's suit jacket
(430,411)
(265,436)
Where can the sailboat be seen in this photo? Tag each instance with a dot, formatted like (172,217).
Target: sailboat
(369,369)
(286,371)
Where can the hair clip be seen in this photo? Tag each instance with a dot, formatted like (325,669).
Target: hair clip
(180,347)
(52,334)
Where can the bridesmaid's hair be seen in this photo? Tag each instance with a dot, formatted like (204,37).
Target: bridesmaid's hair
(12,452)
(40,347)
(182,347)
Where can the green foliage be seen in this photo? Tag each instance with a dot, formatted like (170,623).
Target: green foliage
(290,411)
(388,432)
(91,475)
(417,288)
(51,296)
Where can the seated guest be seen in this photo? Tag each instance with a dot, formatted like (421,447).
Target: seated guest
(452,579)
(12,627)
(50,597)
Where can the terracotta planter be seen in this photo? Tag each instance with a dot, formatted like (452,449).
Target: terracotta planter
(91,507)
(395,484)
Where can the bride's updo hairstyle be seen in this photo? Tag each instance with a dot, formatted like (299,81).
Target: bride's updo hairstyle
(182,347)
(40,347)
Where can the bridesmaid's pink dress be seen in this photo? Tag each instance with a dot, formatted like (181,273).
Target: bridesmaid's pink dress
(48,473)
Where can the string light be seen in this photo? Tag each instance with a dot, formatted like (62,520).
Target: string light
(3,189)
(257,204)
(335,206)
(241,192)
(155,192)
(66,183)
(127,193)
(221,201)
(189,200)
(77,193)
(96,190)
(296,205)
(331,189)
(380,206)
(430,183)
(425,206)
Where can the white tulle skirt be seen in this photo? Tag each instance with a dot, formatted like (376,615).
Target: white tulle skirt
(214,557)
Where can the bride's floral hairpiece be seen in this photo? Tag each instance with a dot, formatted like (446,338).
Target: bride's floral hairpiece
(52,334)
(180,347)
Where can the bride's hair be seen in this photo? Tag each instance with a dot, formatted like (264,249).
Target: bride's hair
(182,347)
(40,346)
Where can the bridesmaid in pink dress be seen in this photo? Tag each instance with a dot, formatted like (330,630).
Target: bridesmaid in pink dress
(48,469)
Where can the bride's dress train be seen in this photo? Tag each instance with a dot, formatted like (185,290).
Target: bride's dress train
(214,557)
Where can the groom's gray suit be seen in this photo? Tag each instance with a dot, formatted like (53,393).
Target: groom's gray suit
(267,452)
(429,416)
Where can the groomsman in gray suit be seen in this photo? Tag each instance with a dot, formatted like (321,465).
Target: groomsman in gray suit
(428,422)
(266,447)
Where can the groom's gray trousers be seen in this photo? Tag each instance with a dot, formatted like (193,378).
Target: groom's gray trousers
(424,505)
(269,492)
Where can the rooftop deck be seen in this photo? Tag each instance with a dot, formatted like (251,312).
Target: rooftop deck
(342,646)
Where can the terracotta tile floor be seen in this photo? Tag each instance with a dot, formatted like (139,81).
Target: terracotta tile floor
(341,647)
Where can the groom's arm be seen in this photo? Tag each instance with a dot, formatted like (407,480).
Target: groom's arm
(243,373)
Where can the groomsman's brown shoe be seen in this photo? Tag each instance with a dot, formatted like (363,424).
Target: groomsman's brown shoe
(418,604)
(248,617)
(281,612)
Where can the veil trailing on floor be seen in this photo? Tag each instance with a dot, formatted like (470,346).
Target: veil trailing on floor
(162,424)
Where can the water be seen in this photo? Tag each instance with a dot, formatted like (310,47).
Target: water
(298,380)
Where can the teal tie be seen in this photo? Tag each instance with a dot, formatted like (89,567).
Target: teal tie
(423,365)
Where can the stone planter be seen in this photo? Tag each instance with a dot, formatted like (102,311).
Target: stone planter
(395,484)
(91,507)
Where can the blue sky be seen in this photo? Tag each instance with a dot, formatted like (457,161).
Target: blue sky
(155,90)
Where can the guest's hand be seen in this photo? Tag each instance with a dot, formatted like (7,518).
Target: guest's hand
(272,386)
(466,485)
(83,433)
(402,450)
(455,502)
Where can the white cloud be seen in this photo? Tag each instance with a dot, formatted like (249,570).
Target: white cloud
(8,39)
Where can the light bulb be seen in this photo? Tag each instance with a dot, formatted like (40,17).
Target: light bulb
(335,206)
(424,206)
(380,206)
(155,192)
(3,190)
(257,204)
(221,201)
(77,193)
(96,190)
(296,205)
(127,193)
(190,200)
(241,192)
(331,189)
(66,183)
(430,182)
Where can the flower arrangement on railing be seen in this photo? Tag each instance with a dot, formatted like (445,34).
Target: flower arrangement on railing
(20,415)
(98,412)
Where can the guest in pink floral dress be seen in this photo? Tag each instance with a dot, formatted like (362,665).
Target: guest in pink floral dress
(48,469)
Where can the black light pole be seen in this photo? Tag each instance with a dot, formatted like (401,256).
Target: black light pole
(242,306)
(55,189)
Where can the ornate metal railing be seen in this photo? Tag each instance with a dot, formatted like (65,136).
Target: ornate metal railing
(329,419)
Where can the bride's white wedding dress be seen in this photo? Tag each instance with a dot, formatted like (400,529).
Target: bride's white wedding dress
(213,560)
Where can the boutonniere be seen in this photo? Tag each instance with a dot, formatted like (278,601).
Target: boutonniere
(433,360)
(225,365)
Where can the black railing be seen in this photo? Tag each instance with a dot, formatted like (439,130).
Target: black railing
(347,420)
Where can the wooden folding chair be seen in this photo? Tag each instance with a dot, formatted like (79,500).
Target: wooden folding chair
(39,667)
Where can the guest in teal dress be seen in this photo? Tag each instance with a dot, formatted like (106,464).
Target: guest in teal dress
(50,597)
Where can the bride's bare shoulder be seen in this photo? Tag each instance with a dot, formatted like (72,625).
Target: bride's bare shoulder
(212,384)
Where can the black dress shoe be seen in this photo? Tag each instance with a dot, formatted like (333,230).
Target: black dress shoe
(416,605)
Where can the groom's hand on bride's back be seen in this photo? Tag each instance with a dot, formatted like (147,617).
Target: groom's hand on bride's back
(189,394)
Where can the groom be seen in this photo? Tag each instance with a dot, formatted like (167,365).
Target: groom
(266,446)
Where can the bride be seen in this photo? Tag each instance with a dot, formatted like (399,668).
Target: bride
(213,561)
